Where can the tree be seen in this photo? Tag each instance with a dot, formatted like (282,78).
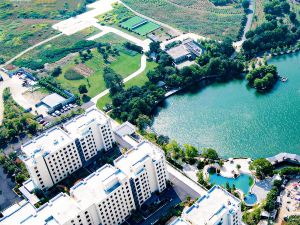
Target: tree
(143,121)
(190,151)
(293,17)
(210,153)
(56,72)
(238,166)
(155,47)
(245,4)
(162,140)
(82,89)
(262,167)
(2,61)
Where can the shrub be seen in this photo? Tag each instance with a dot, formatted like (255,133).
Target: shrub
(73,75)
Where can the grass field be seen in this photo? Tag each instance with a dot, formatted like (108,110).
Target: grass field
(40,9)
(137,81)
(198,16)
(123,64)
(25,23)
(17,35)
(37,54)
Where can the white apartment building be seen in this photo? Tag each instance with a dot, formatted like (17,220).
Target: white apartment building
(146,167)
(51,157)
(105,198)
(59,152)
(217,207)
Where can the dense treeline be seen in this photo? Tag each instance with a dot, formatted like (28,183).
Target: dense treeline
(275,32)
(50,84)
(263,78)
(133,47)
(15,121)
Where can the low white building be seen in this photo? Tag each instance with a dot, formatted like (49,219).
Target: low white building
(217,207)
(59,152)
(145,165)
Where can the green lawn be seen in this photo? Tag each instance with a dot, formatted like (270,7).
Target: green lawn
(123,64)
(137,81)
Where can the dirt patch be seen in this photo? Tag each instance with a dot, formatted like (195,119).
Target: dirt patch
(60,63)
(34,97)
(83,70)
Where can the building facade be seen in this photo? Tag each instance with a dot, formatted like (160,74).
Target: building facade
(105,197)
(59,152)
(145,165)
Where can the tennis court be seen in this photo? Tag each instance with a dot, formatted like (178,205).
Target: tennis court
(139,25)
(147,28)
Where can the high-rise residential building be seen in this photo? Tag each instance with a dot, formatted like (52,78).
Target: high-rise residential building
(146,167)
(105,197)
(217,207)
(59,152)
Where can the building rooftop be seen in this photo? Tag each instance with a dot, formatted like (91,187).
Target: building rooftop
(210,207)
(125,129)
(53,100)
(58,210)
(76,126)
(97,186)
(178,52)
(135,156)
(17,213)
(49,141)
(63,207)
(179,221)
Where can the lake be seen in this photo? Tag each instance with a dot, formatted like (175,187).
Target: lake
(236,120)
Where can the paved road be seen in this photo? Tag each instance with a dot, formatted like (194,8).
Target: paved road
(250,16)
(176,31)
(105,29)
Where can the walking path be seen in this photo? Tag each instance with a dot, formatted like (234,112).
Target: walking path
(138,72)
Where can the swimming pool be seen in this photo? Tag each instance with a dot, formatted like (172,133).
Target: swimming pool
(250,199)
(242,182)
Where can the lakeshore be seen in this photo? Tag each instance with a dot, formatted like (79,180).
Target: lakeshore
(235,120)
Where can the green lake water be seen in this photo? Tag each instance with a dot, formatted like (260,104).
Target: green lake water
(236,120)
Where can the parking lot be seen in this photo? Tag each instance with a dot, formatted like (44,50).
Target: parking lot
(7,195)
